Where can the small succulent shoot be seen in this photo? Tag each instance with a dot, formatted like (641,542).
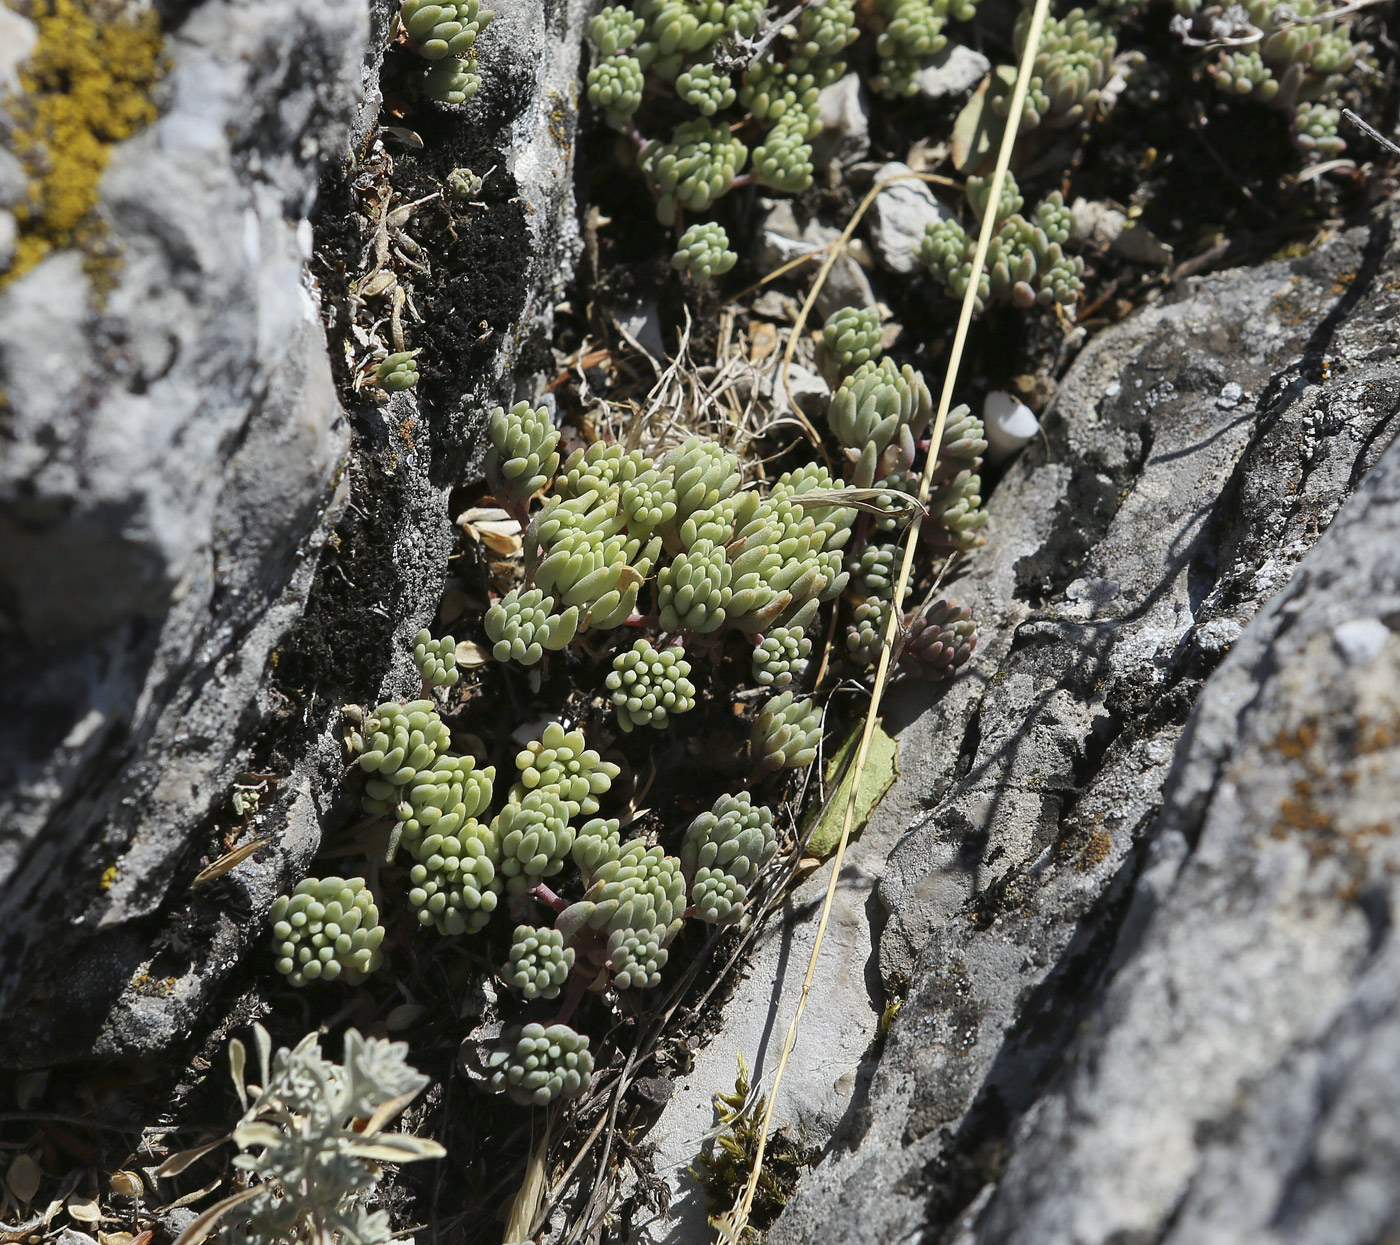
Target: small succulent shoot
(694,169)
(693,589)
(327,929)
(629,914)
(599,468)
(851,336)
(650,686)
(780,657)
(535,837)
(463,185)
(938,640)
(877,414)
(439,30)
(703,251)
(539,962)
(598,841)
(453,80)
(523,625)
(614,29)
(536,1065)
(436,659)
(615,86)
(873,570)
(703,474)
(393,744)
(865,633)
(397,372)
(455,882)
(441,798)
(722,853)
(786,734)
(561,764)
(522,456)
(957,513)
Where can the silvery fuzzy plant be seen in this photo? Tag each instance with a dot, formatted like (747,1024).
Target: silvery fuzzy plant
(312,1136)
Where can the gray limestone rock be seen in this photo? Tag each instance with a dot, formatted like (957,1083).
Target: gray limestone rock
(1144,954)
(953,72)
(898,217)
(175,462)
(845,134)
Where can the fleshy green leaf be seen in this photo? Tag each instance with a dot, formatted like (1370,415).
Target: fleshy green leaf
(881,769)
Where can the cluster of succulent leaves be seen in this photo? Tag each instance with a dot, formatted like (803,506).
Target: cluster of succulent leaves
(706,56)
(1292,56)
(311,1139)
(444,33)
(1026,262)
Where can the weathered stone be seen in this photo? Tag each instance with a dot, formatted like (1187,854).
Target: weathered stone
(898,217)
(172,468)
(845,133)
(953,72)
(1119,573)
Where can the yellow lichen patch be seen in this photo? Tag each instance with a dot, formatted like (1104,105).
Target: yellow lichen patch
(86,86)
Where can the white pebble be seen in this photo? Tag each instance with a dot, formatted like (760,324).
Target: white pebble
(1008,424)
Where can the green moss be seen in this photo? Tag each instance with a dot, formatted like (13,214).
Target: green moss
(86,86)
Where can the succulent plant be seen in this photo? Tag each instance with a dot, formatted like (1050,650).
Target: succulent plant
(894,514)
(536,1065)
(522,625)
(630,912)
(398,740)
(561,764)
(825,30)
(693,590)
(1296,57)
(964,440)
(694,169)
(851,336)
(877,414)
(833,523)
(702,474)
(783,160)
(436,659)
(912,33)
(462,184)
(703,251)
(614,29)
(786,734)
(534,837)
(441,798)
(522,457)
(599,468)
(780,657)
(1026,262)
(397,372)
(327,929)
(615,85)
(581,552)
(734,833)
(456,880)
(650,686)
(1072,65)
(955,508)
(448,28)
(865,633)
(705,89)
(539,962)
(873,571)
(649,501)
(452,81)
(938,640)
(597,842)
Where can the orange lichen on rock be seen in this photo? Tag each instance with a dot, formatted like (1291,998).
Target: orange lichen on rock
(86,85)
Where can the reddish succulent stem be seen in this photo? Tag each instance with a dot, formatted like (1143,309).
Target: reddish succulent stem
(578,986)
(548,897)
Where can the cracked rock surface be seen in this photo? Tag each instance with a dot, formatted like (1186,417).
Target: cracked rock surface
(1146,951)
(197,568)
